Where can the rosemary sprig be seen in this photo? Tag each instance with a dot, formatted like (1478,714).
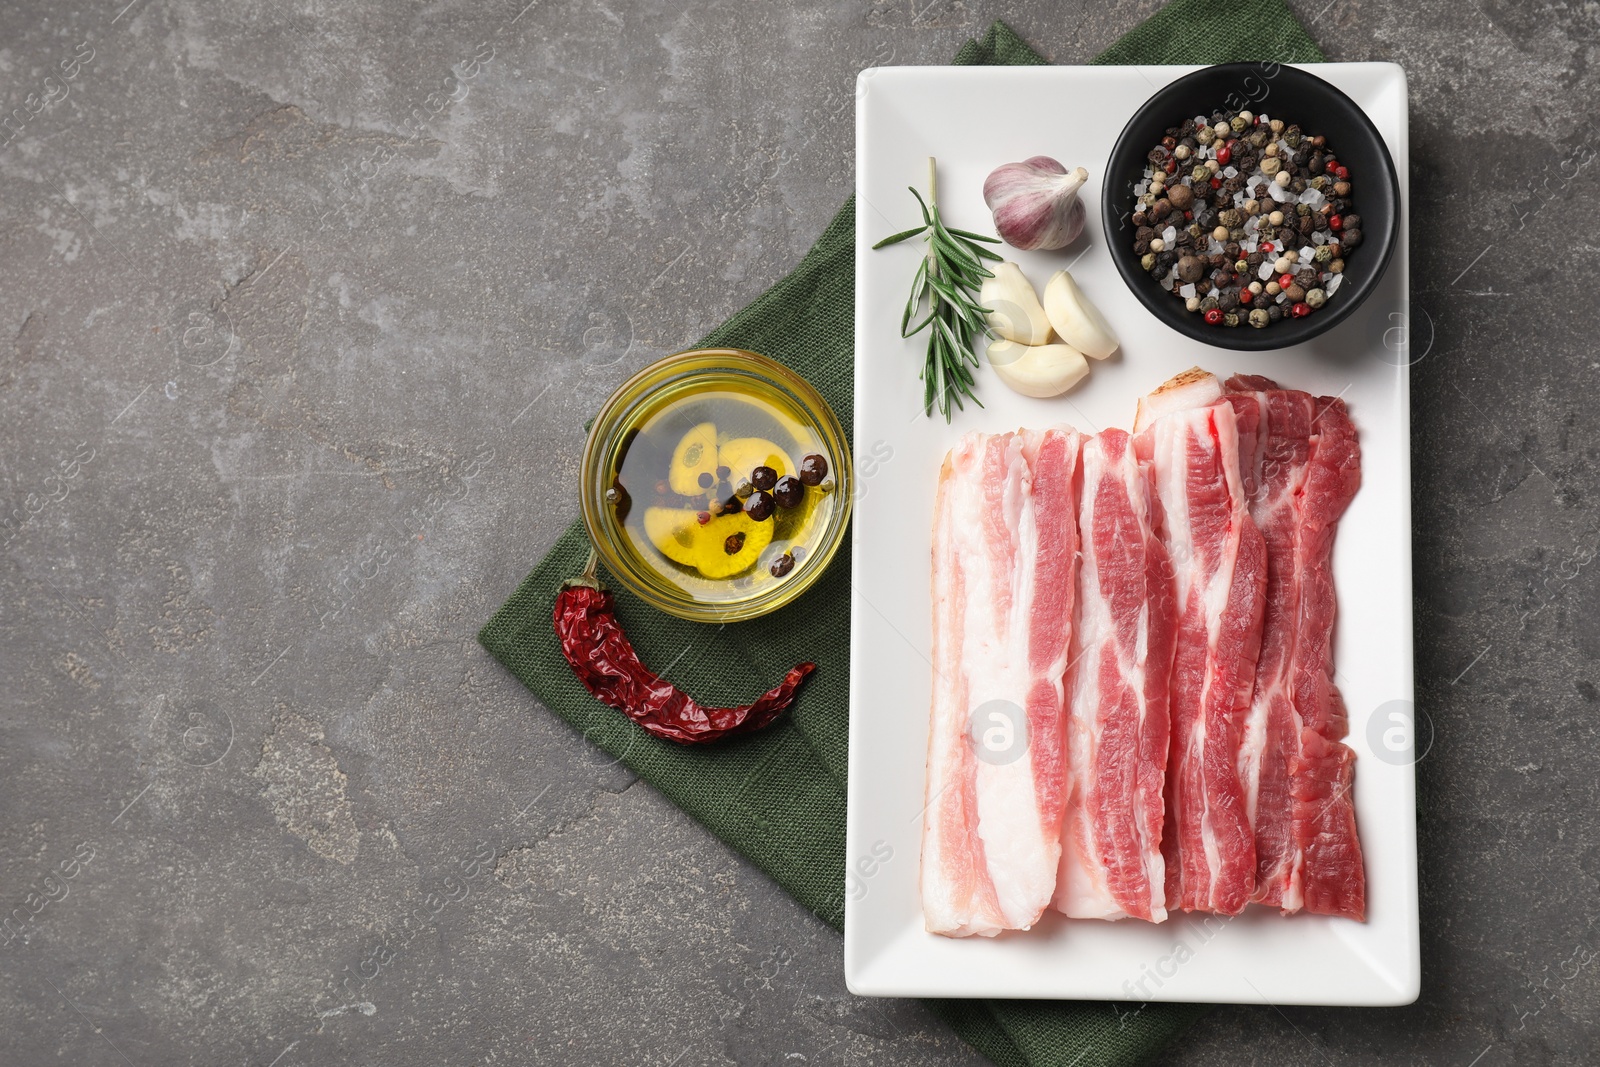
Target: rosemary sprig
(948,279)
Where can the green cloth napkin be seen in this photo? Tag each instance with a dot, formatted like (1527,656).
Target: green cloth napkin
(778,797)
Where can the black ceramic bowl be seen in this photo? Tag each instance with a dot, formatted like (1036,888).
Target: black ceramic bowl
(1296,97)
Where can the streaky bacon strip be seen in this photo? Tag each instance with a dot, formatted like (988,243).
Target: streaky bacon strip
(1333,876)
(957,894)
(1005,548)
(1219,564)
(1053,461)
(1301,466)
(1274,445)
(1117,735)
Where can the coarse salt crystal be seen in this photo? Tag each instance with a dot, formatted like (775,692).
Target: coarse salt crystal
(1141,188)
(1306,252)
(1169,235)
(1248,244)
(1319,238)
(1187,291)
(1312,197)
(1171,276)
(1213,247)
(1253,223)
(1333,284)
(1265,272)
(1279,193)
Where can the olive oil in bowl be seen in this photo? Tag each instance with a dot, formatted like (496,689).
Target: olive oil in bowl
(716,484)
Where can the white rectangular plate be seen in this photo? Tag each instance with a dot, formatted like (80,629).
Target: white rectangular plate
(973,119)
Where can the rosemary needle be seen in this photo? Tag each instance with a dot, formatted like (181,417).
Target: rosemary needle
(947,281)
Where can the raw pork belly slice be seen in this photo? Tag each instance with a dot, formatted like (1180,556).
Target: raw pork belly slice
(1219,566)
(1117,732)
(1302,467)
(1333,877)
(1274,446)
(1004,562)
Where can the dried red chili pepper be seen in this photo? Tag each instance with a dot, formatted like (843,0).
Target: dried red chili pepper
(604,661)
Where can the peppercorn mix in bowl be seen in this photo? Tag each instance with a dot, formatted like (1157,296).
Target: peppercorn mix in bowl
(1251,206)
(715,485)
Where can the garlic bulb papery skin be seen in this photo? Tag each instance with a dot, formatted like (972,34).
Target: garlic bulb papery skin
(1014,309)
(1075,319)
(1037,370)
(1036,203)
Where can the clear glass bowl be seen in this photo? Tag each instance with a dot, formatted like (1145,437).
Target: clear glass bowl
(748,398)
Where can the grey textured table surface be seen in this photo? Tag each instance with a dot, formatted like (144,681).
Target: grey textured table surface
(303,308)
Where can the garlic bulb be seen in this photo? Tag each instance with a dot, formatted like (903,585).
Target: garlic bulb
(1035,203)
(1014,309)
(1037,370)
(1078,321)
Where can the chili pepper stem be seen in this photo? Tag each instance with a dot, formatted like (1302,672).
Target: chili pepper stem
(588,579)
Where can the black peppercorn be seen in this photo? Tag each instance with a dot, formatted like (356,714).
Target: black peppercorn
(733,543)
(1349,238)
(763,477)
(782,565)
(813,469)
(788,491)
(759,506)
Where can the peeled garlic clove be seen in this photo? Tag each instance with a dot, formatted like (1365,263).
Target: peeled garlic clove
(1035,203)
(1037,370)
(1014,308)
(1079,322)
